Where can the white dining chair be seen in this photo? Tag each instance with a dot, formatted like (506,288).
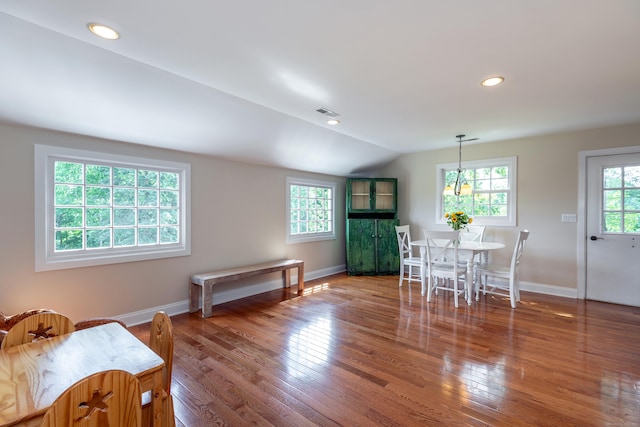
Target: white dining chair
(444,272)
(505,280)
(408,262)
(473,233)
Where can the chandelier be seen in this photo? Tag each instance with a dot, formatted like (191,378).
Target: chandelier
(461,186)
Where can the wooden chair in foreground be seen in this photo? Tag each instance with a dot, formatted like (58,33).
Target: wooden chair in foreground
(161,342)
(37,326)
(108,398)
(8,322)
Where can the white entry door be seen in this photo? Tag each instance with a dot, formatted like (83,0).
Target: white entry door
(613,229)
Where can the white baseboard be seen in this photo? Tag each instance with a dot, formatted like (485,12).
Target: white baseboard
(540,288)
(145,316)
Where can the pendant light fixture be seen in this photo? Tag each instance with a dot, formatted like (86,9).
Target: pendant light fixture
(461,186)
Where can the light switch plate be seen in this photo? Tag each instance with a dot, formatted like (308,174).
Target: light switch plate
(568,217)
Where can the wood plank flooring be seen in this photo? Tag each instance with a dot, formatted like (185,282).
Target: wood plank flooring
(359,351)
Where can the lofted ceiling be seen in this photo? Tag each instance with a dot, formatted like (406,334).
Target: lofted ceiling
(243,79)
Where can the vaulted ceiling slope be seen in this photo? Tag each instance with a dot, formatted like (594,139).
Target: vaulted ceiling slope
(243,79)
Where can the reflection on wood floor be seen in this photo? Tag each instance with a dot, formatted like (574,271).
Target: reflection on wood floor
(359,351)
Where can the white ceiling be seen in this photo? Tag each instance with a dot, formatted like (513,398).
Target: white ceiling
(242,79)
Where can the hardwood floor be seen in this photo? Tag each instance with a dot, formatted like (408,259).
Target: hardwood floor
(359,351)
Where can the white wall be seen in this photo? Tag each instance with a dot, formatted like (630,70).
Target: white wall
(238,218)
(547,188)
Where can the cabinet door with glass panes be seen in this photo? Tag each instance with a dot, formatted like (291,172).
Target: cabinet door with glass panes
(372,195)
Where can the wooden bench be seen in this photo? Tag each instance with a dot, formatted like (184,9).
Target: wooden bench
(207,280)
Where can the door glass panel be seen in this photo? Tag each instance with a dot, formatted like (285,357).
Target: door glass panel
(632,176)
(612,200)
(632,222)
(612,222)
(632,199)
(621,199)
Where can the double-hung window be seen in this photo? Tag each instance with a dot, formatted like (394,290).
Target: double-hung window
(310,210)
(493,183)
(97,208)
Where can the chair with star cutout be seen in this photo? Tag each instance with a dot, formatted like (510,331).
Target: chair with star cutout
(9,321)
(107,398)
(161,342)
(37,326)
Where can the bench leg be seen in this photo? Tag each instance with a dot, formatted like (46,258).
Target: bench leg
(300,279)
(207,300)
(194,298)
(286,278)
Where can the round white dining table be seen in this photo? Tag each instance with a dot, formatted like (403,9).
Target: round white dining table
(467,250)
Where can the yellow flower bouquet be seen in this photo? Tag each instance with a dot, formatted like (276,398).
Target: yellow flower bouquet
(458,220)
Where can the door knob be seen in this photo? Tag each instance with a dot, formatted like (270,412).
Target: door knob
(596,238)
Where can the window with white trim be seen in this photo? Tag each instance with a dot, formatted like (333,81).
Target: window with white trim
(494,197)
(310,210)
(98,208)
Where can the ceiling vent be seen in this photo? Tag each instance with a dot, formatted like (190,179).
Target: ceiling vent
(327,112)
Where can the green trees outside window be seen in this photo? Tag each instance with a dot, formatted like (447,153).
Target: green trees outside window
(490,196)
(621,199)
(101,206)
(311,209)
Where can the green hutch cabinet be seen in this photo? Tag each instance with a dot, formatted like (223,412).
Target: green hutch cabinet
(372,246)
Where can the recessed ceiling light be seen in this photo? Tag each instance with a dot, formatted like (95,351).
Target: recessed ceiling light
(333,122)
(103,31)
(492,81)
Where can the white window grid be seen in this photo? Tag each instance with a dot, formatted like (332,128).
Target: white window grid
(149,216)
(158,213)
(494,197)
(310,210)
